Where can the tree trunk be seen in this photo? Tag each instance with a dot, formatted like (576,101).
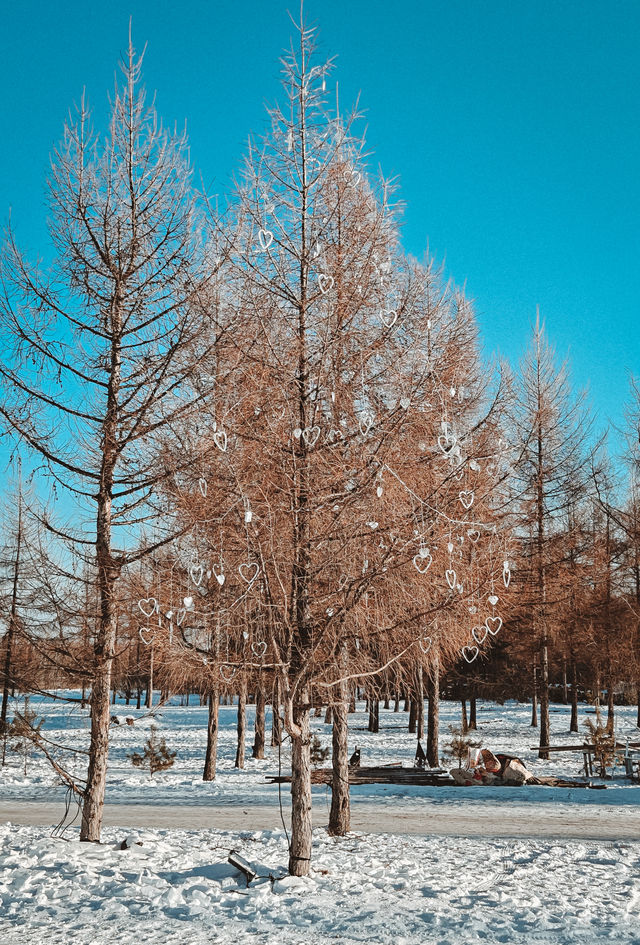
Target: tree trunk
(610,706)
(396,704)
(209,772)
(545,732)
(149,700)
(242,724)
(301,832)
(534,699)
(413,715)
(464,723)
(573,726)
(276,721)
(433,713)
(565,689)
(374,714)
(8,640)
(473,724)
(420,703)
(259,739)
(340,813)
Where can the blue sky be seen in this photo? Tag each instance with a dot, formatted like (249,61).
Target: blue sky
(513,128)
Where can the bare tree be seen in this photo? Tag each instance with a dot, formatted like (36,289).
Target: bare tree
(98,352)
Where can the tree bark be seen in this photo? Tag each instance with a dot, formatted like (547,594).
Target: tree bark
(464,722)
(433,713)
(420,702)
(473,724)
(340,813)
(8,640)
(534,699)
(573,726)
(301,832)
(259,739)
(242,724)
(149,699)
(209,772)
(276,721)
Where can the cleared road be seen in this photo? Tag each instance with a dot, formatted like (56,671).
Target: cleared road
(472,820)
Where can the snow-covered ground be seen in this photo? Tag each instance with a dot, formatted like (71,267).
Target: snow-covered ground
(366,887)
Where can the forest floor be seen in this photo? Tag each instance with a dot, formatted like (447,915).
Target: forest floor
(421,864)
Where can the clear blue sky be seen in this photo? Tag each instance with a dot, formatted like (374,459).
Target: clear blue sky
(514,129)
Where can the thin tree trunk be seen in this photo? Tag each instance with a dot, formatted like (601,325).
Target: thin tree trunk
(413,715)
(340,813)
(242,724)
(149,700)
(610,706)
(8,640)
(259,739)
(534,700)
(420,703)
(276,721)
(464,723)
(573,726)
(301,830)
(565,688)
(473,724)
(433,713)
(209,772)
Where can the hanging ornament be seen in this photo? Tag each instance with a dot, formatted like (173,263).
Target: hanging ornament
(259,648)
(197,573)
(265,238)
(310,435)
(325,283)
(220,439)
(479,634)
(148,606)
(389,318)
(147,635)
(451,577)
(470,653)
(466,497)
(202,485)
(249,571)
(493,625)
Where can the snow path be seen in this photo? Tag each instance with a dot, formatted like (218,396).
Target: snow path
(469,818)
(363,889)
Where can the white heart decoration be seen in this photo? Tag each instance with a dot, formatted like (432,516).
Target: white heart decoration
(479,634)
(197,573)
(310,435)
(470,653)
(473,534)
(148,606)
(450,547)
(493,624)
(259,648)
(219,576)
(266,238)
(188,602)
(446,442)
(405,403)
(451,577)
(146,635)
(180,616)
(493,599)
(466,497)
(425,644)
(342,583)
(379,491)
(249,571)
(506,577)
(389,318)
(475,465)
(473,610)
(220,439)
(202,484)
(366,422)
(325,283)
(422,563)
(227,672)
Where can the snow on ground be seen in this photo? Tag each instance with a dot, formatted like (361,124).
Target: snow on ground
(373,889)
(366,887)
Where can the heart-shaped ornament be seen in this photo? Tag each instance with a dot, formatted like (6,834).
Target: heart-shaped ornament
(196,573)
(389,318)
(473,534)
(506,577)
(473,609)
(148,606)
(422,563)
(466,497)
(475,465)
(450,547)
(425,644)
(493,624)
(182,613)
(379,491)
(325,283)
(249,571)
(219,575)
(259,648)
(405,403)
(310,435)
(220,439)
(366,422)
(266,238)
(202,485)
(451,577)
(479,634)
(188,603)
(470,653)
(146,635)
(493,599)
(227,672)
(446,442)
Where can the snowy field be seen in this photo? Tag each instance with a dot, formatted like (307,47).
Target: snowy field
(366,887)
